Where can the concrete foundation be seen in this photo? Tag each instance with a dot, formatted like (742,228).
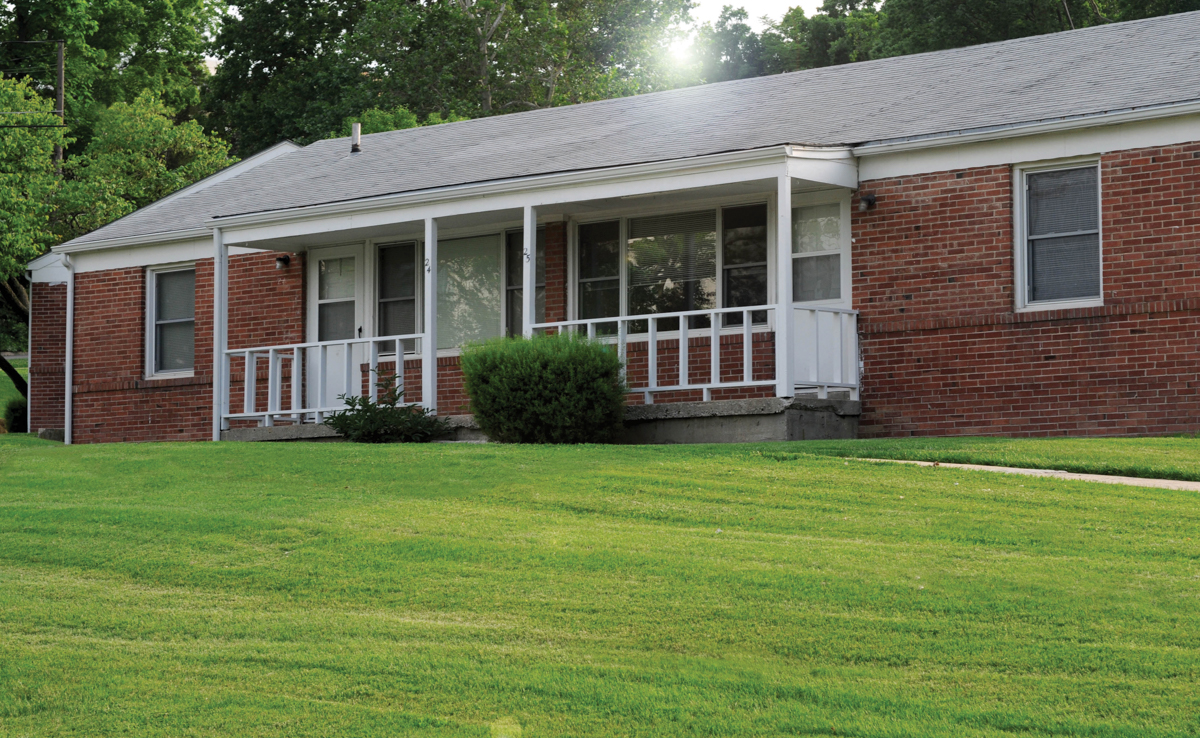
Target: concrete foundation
(722,421)
(742,421)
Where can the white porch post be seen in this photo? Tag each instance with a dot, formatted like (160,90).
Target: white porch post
(783,287)
(529,284)
(220,329)
(429,342)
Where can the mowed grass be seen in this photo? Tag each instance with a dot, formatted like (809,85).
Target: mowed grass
(451,590)
(7,389)
(1163,458)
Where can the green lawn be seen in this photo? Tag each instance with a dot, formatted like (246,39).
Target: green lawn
(7,389)
(453,590)
(1165,458)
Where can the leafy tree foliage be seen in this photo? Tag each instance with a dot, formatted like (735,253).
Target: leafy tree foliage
(115,50)
(285,72)
(136,156)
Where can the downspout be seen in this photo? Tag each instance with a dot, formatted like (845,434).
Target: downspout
(29,359)
(69,367)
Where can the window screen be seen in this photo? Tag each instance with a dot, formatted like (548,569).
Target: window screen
(672,266)
(744,260)
(336,286)
(398,291)
(174,320)
(515,269)
(816,253)
(470,295)
(600,270)
(1063,243)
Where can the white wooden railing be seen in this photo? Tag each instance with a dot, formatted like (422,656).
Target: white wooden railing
(334,367)
(824,353)
(825,350)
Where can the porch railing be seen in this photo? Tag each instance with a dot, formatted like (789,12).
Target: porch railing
(314,404)
(825,348)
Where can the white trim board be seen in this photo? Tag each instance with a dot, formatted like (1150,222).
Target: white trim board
(149,256)
(1090,141)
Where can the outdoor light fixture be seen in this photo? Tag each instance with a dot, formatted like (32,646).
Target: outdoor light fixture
(282,261)
(865,203)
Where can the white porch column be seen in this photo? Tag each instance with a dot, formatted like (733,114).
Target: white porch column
(783,287)
(429,343)
(529,285)
(220,331)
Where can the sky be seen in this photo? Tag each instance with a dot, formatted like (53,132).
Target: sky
(710,10)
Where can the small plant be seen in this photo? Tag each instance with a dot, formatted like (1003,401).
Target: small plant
(15,415)
(555,388)
(386,420)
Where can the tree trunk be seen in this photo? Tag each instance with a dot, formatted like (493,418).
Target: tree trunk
(15,376)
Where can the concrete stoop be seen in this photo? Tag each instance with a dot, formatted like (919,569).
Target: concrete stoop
(721,421)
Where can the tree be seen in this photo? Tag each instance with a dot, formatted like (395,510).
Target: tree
(285,72)
(28,183)
(137,155)
(729,49)
(115,49)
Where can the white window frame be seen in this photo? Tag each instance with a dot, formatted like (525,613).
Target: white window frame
(800,199)
(845,265)
(374,246)
(151,321)
(1021,303)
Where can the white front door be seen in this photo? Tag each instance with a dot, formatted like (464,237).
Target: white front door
(822,342)
(336,286)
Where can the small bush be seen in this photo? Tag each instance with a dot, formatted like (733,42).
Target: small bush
(548,389)
(15,415)
(386,420)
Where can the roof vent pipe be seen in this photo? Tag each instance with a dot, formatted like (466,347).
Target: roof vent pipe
(355,137)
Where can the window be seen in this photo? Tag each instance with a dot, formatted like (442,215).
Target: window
(398,291)
(816,253)
(172,308)
(336,289)
(672,266)
(515,280)
(600,270)
(744,260)
(674,263)
(470,293)
(1061,248)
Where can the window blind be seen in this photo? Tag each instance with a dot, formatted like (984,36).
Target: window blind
(668,249)
(175,325)
(1063,245)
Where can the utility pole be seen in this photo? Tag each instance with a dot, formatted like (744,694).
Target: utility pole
(62,101)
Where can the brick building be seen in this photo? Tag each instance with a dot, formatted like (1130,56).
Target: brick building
(1001,239)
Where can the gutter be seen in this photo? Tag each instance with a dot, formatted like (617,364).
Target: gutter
(146,239)
(1012,130)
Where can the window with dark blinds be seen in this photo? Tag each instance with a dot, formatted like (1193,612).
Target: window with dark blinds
(174,320)
(672,264)
(1063,234)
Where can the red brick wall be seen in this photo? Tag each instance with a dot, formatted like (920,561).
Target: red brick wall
(945,354)
(114,402)
(48,326)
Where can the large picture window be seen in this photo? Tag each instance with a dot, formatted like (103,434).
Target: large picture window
(172,312)
(470,293)
(1061,248)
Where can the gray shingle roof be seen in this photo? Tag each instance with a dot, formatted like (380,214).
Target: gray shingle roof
(1094,70)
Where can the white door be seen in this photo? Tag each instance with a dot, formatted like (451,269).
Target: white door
(823,344)
(336,285)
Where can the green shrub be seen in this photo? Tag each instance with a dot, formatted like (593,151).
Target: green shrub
(15,414)
(386,420)
(548,389)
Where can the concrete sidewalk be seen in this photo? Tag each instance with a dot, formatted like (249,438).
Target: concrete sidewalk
(1055,474)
